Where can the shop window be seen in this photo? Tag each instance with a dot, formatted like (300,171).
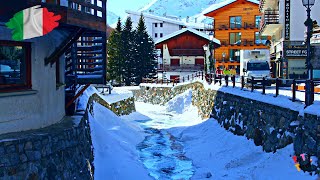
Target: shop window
(234,55)
(15,66)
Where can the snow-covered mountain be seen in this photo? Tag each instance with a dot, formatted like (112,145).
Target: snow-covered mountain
(178,8)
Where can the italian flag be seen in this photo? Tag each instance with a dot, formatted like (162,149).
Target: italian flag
(32,22)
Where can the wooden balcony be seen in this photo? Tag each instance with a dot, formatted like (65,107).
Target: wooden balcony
(80,13)
(227,26)
(243,42)
(270,22)
(186,52)
(183,67)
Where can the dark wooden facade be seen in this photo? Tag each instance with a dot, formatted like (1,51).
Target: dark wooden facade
(185,44)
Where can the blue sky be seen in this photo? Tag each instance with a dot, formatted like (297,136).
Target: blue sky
(119,7)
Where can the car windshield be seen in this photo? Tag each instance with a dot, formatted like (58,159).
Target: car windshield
(258,66)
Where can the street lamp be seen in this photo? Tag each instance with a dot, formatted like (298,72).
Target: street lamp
(211,44)
(308,97)
(223,56)
(205,48)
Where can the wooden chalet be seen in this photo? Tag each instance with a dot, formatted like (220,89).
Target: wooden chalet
(182,53)
(236,25)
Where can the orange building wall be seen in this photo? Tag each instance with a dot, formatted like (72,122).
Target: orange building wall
(247,11)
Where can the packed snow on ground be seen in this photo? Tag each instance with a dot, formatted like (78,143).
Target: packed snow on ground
(224,155)
(216,153)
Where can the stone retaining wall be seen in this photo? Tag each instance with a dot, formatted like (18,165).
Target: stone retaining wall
(123,107)
(61,151)
(268,125)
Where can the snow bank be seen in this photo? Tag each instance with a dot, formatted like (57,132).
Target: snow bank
(220,153)
(84,98)
(180,103)
(114,142)
(117,94)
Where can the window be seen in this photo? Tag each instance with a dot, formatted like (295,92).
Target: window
(161,35)
(175,62)
(258,20)
(235,38)
(155,24)
(15,68)
(161,24)
(235,22)
(260,39)
(199,62)
(156,35)
(234,54)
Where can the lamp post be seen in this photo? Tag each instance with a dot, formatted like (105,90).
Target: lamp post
(308,4)
(223,56)
(205,48)
(212,65)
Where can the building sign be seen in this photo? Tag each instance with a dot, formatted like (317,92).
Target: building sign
(290,52)
(287,20)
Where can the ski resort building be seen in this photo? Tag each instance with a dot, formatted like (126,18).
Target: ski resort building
(160,26)
(236,25)
(182,53)
(283,20)
(36,73)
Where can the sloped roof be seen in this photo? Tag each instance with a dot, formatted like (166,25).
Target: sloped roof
(198,33)
(215,7)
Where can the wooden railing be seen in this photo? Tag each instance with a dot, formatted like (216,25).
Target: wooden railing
(242,42)
(183,67)
(175,81)
(228,26)
(269,17)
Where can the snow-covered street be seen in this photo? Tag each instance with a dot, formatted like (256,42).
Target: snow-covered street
(178,138)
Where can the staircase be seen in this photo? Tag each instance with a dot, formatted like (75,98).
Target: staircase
(86,60)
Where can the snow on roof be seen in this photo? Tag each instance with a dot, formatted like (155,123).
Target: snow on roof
(222,4)
(185,30)
(166,19)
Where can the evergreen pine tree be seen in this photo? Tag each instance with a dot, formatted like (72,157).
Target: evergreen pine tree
(145,54)
(115,56)
(127,38)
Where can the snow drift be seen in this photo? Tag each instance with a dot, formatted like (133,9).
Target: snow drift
(114,142)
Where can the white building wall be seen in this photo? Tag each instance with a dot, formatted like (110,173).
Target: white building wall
(45,104)
(166,29)
(298,15)
(184,60)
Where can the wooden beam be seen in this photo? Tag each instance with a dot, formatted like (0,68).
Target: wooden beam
(61,49)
